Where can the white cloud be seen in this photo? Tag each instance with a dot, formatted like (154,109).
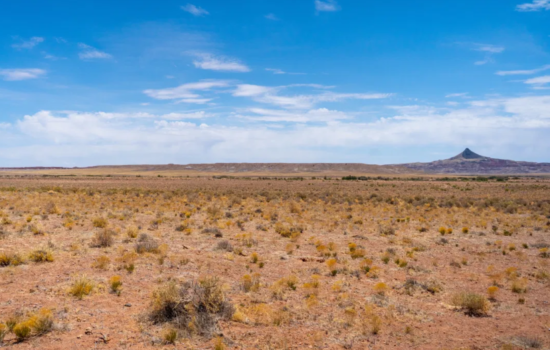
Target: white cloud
(185,93)
(275,70)
(88,138)
(218,63)
(539,83)
(280,71)
(5,125)
(271,17)
(90,53)
(326,6)
(28,44)
(459,94)
(270,95)
(523,72)
(194,10)
(21,74)
(317,115)
(488,48)
(536,5)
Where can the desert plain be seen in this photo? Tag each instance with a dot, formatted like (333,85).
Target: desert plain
(309,262)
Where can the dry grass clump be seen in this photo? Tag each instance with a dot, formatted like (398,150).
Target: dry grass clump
(38,323)
(115,284)
(471,303)
(100,222)
(9,259)
(146,244)
(193,307)
(102,239)
(102,262)
(39,256)
(81,286)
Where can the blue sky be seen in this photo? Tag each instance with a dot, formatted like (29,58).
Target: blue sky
(134,82)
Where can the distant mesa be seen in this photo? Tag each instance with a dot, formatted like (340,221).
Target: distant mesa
(465,163)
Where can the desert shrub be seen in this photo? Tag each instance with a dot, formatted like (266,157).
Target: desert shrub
(381,288)
(102,262)
(529,342)
(22,331)
(194,307)
(251,283)
(132,231)
(99,222)
(115,284)
(224,245)
(492,292)
(212,231)
(331,264)
(7,259)
(3,332)
(170,335)
(41,322)
(102,239)
(81,286)
(41,256)
(146,244)
(471,303)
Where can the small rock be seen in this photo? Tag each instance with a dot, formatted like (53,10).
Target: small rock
(127,305)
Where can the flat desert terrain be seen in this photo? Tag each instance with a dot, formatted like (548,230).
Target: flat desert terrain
(271,263)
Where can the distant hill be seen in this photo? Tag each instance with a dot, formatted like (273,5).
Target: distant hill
(471,163)
(465,163)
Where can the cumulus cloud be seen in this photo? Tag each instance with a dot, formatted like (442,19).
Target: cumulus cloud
(326,6)
(194,10)
(28,44)
(87,137)
(219,63)
(89,53)
(21,74)
(536,5)
(186,92)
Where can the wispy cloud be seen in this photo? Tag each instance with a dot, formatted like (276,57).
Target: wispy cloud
(21,74)
(312,116)
(219,63)
(272,17)
(488,48)
(195,10)
(28,44)
(459,94)
(326,6)
(270,95)
(89,53)
(186,93)
(539,83)
(489,51)
(536,5)
(280,71)
(523,72)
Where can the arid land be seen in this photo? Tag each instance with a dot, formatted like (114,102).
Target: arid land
(146,262)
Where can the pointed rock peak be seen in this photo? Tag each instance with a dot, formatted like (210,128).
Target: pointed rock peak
(467,154)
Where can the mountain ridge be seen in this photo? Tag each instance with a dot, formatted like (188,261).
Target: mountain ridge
(465,163)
